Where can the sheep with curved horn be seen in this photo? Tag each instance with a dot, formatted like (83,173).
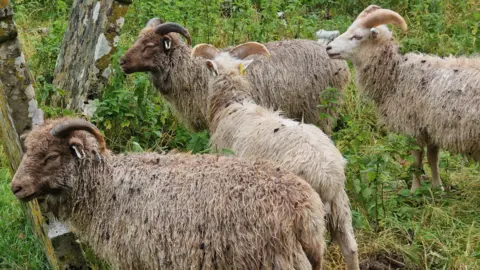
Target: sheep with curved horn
(293,80)
(435,100)
(173,211)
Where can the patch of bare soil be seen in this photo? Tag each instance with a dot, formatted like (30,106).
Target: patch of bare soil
(383,261)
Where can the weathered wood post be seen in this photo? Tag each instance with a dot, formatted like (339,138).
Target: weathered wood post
(17,107)
(11,144)
(82,70)
(83,65)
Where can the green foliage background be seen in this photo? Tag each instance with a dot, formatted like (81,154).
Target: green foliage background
(425,230)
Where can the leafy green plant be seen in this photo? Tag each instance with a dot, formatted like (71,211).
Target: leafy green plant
(329,102)
(19,248)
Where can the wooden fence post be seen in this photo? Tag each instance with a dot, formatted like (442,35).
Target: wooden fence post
(83,65)
(82,69)
(17,107)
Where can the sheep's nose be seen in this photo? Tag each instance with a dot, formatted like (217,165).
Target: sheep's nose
(329,48)
(16,189)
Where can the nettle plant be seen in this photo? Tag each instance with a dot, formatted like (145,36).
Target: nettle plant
(329,103)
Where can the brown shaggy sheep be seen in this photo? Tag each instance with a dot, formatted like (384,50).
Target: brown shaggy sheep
(176,211)
(292,80)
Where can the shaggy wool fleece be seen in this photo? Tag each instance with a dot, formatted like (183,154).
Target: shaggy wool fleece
(433,99)
(197,212)
(292,79)
(176,211)
(252,132)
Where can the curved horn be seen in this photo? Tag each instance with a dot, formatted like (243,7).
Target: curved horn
(383,16)
(367,11)
(244,50)
(206,51)
(169,27)
(4,3)
(65,128)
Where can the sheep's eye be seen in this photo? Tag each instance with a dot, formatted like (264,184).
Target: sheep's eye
(148,45)
(356,37)
(51,158)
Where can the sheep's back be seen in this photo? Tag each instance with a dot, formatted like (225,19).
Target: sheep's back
(182,211)
(294,77)
(438,101)
(252,132)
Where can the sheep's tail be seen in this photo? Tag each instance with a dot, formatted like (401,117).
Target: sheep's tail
(332,225)
(311,233)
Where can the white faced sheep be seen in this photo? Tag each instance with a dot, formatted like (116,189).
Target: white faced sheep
(292,80)
(435,100)
(175,211)
(251,131)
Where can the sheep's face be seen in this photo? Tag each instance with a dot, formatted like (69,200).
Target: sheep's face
(153,48)
(350,44)
(225,64)
(367,32)
(147,54)
(48,164)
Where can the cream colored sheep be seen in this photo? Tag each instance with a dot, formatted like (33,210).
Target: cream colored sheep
(251,131)
(435,100)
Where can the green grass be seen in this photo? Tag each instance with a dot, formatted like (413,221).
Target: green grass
(425,230)
(19,249)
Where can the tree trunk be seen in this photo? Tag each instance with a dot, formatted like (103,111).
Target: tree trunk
(17,107)
(83,66)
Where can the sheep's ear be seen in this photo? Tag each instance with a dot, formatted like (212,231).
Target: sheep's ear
(77,151)
(374,32)
(167,42)
(244,65)
(22,138)
(212,67)
(154,22)
(206,51)
(76,148)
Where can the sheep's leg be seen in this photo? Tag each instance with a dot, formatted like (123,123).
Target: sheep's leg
(300,262)
(418,168)
(341,229)
(433,152)
(311,227)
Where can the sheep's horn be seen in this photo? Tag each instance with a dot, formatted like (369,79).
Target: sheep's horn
(244,50)
(206,51)
(64,129)
(4,3)
(367,10)
(383,16)
(169,27)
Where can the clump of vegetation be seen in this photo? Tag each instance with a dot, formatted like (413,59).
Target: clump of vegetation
(18,246)
(411,231)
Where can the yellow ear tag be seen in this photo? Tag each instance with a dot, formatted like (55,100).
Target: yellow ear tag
(241,69)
